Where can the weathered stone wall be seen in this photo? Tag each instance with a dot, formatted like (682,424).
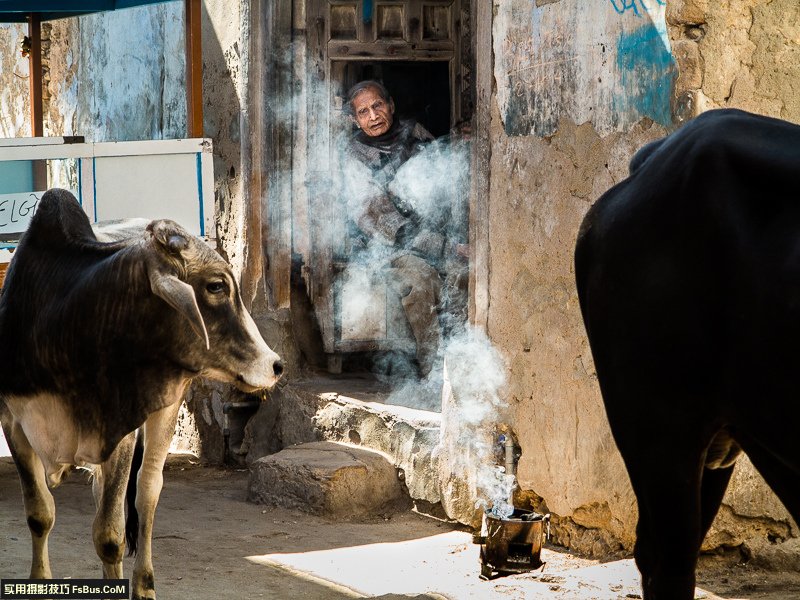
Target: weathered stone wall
(743,54)
(578,89)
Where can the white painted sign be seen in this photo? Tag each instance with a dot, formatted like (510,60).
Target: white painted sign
(16,211)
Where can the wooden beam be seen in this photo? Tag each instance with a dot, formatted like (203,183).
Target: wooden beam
(39,167)
(35,78)
(251,151)
(194,69)
(479,272)
(276,136)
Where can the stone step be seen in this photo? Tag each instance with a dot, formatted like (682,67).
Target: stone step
(331,479)
(356,414)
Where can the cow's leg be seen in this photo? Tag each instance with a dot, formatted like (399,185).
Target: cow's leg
(668,534)
(778,471)
(712,490)
(158,431)
(108,486)
(39,505)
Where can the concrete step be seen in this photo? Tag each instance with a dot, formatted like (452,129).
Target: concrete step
(331,479)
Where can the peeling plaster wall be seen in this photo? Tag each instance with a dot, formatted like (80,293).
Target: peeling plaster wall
(585,62)
(14,92)
(578,89)
(224,44)
(118,75)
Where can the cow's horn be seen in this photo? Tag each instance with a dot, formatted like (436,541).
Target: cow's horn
(180,296)
(169,235)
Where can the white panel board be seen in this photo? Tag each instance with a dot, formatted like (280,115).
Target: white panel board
(151,186)
(363,306)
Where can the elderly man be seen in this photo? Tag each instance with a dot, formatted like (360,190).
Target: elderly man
(396,237)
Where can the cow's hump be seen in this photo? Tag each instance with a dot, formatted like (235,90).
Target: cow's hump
(59,221)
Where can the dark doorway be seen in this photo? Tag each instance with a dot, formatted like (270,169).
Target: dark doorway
(421,90)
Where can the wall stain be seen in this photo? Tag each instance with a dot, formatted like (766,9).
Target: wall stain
(647,72)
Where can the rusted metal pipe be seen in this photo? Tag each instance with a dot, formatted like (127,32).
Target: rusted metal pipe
(509,447)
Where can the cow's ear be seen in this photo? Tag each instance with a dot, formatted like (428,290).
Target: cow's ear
(180,296)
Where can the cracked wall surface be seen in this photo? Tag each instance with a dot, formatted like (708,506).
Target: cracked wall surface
(751,56)
(551,158)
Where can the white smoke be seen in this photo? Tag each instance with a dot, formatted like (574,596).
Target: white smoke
(496,489)
(438,173)
(435,184)
(477,373)
(476,384)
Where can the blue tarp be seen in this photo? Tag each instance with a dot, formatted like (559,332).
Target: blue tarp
(17,11)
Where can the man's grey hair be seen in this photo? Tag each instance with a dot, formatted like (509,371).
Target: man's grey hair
(363,85)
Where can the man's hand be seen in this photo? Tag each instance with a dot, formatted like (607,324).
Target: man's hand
(405,235)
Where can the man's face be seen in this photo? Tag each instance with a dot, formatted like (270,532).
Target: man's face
(372,113)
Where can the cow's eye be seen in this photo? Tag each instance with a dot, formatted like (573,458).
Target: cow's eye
(215,287)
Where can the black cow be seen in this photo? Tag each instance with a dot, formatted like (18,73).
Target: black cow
(688,275)
(100,339)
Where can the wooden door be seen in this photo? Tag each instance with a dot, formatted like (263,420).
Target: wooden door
(345,37)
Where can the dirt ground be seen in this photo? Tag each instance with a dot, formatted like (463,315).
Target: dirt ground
(211,543)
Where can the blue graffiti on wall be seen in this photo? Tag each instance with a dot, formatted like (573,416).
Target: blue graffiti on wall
(647,72)
(622,6)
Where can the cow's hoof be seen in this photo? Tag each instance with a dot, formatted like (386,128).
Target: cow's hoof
(148,593)
(143,585)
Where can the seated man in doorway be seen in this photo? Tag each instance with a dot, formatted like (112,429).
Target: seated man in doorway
(404,242)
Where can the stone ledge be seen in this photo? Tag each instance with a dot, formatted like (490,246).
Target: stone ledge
(326,478)
(408,436)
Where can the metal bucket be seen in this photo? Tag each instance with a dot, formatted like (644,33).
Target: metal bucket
(513,544)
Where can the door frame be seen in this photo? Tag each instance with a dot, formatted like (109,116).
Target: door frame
(288,41)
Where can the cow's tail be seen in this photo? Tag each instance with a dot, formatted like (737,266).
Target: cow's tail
(132,520)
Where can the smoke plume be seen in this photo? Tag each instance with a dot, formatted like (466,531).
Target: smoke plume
(474,408)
